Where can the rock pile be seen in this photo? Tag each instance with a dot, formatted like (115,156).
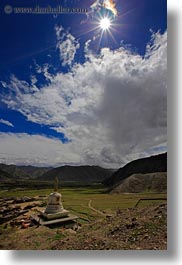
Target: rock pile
(16,211)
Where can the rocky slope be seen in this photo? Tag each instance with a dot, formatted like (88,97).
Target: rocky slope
(157,163)
(130,229)
(153,182)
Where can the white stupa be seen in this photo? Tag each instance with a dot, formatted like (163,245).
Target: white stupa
(54,209)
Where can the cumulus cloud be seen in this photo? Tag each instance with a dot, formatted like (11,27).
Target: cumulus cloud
(6,122)
(25,149)
(112,107)
(67,45)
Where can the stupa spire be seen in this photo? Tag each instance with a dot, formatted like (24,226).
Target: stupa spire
(56,181)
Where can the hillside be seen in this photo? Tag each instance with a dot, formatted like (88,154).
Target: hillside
(153,182)
(14,171)
(23,172)
(34,172)
(79,174)
(157,163)
(4,176)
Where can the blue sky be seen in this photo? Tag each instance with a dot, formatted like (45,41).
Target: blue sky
(73,93)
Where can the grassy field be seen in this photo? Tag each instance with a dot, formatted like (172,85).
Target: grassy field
(77,199)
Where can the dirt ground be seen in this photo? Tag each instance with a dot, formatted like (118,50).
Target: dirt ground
(137,229)
(143,228)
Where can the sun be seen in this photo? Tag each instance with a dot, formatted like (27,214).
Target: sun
(105,23)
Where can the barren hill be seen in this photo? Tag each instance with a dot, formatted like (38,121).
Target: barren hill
(155,182)
(153,164)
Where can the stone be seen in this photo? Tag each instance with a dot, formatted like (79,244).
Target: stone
(70,231)
(25,225)
(22,200)
(42,221)
(63,213)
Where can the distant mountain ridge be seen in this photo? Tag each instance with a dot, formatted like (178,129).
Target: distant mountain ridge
(157,163)
(66,174)
(88,175)
(35,172)
(82,174)
(23,172)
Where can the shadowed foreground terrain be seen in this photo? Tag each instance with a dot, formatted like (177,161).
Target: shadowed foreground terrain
(105,221)
(128,229)
(138,228)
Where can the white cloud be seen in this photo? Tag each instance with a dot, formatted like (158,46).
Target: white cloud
(6,122)
(112,107)
(67,45)
(38,150)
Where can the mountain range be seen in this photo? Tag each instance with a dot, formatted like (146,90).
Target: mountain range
(24,172)
(142,174)
(79,174)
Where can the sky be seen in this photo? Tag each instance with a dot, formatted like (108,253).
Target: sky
(73,92)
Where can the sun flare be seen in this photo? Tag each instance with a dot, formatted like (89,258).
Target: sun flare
(105,23)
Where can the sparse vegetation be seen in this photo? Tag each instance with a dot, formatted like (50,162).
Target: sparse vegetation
(96,230)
